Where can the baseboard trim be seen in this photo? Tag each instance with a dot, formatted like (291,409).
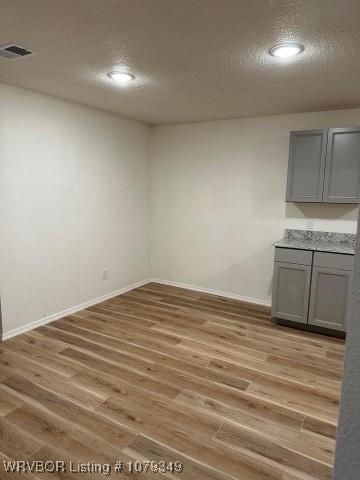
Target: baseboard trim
(70,311)
(233,296)
(94,301)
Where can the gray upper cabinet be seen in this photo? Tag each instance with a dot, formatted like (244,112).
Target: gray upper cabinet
(324,166)
(306,169)
(342,175)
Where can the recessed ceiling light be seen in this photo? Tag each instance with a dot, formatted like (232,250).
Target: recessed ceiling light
(121,77)
(286,50)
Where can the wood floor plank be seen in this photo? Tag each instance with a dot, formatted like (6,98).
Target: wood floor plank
(204,301)
(50,452)
(298,389)
(263,337)
(164,373)
(235,381)
(129,375)
(316,425)
(183,293)
(243,355)
(241,465)
(135,312)
(323,368)
(35,339)
(152,412)
(287,433)
(52,361)
(8,401)
(48,429)
(233,341)
(246,439)
(107,430)
(292,372)
(12,363)
(267,421)
(145,448)
(15,441)
(135,334)
(86,339)
(114,318)
(13,474)
(268,329)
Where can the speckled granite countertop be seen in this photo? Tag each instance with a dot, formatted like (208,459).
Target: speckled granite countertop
(319,241)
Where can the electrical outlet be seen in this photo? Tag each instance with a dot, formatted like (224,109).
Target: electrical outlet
(310,225)
(105,274)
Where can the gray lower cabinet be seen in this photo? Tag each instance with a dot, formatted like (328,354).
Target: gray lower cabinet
(324,166)
(329,299)
(291,291)
(312,287)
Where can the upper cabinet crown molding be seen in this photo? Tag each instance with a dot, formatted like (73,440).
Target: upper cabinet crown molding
(324,166)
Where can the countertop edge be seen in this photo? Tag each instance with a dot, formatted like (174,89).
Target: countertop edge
(314,248)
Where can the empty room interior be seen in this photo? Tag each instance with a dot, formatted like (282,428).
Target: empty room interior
(179,274)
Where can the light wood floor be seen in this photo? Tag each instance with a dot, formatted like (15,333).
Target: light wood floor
(172,374)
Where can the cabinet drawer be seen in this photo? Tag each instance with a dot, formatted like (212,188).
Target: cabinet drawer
(291,255)
(334,260)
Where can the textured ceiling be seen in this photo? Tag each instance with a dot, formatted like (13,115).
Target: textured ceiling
(193,59)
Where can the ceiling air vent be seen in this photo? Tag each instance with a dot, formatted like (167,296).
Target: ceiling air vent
(11,51)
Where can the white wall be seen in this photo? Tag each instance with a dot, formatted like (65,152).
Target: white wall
(74,200)
(217,200)
(74,192)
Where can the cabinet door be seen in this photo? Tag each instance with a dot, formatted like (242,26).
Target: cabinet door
(306,168)
(342,173)
(291,288)
(329,300)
